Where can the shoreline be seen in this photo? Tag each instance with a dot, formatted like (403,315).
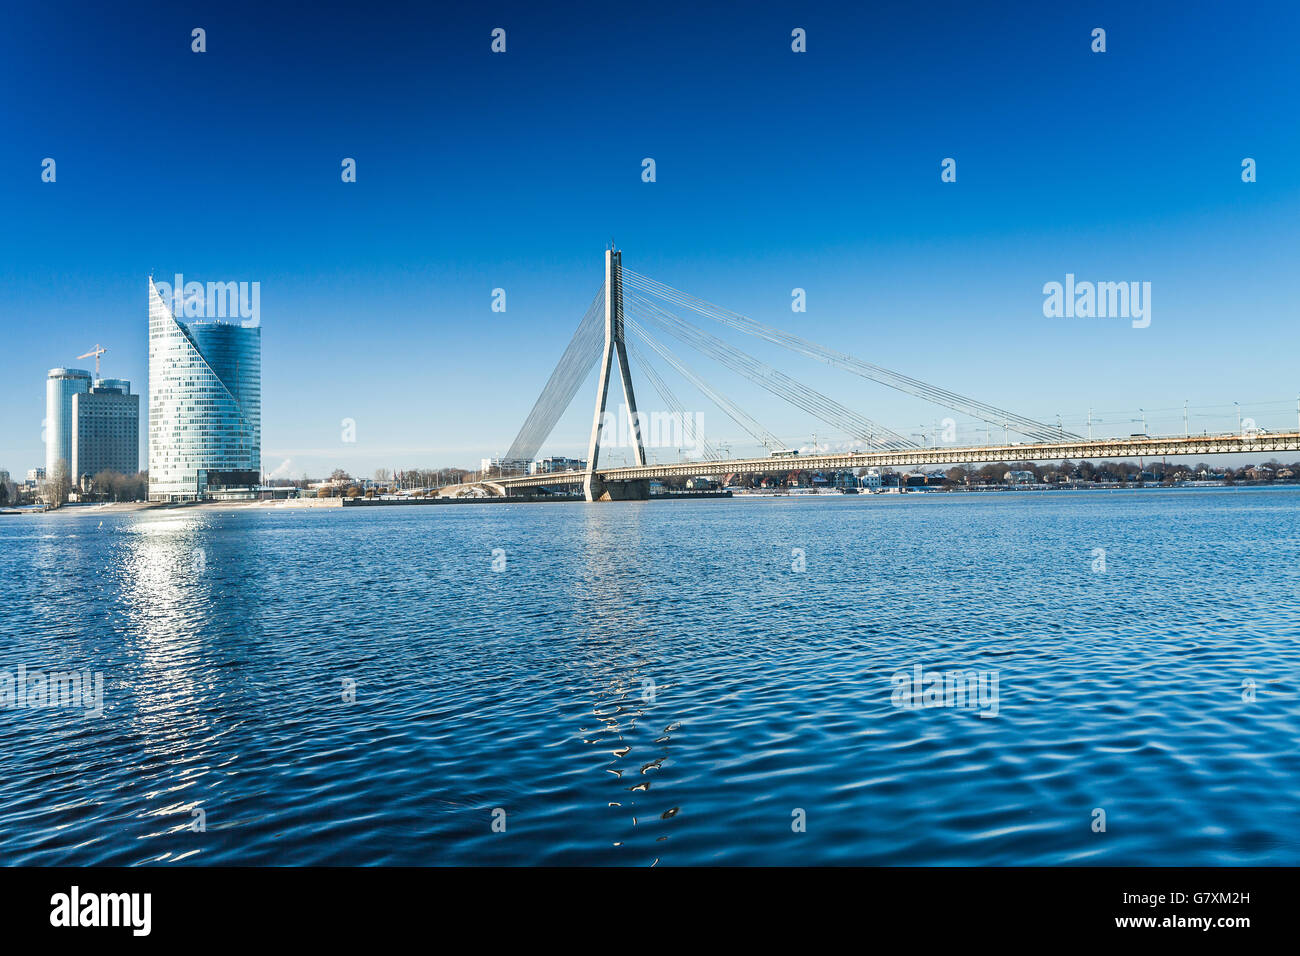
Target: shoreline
(307,504)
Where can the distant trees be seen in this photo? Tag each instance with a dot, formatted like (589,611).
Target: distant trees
(1123,472)
(1270,471)
(57,485)
(115,486)
(413,478)
(102,484)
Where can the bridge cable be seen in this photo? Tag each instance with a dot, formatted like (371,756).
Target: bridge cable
(932,393)
(769,378)
(783,386)
(575,365)
(733,411)
(692,435)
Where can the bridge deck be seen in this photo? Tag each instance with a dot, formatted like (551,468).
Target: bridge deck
(1193,445)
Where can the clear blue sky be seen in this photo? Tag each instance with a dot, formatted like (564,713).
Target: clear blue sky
(775,170)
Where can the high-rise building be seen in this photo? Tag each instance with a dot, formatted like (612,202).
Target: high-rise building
(105,429)
(205,405)
(60,386)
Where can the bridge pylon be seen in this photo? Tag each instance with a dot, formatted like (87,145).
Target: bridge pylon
(594,489)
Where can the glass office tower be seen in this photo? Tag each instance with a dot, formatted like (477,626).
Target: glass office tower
(205,404)
(60,386)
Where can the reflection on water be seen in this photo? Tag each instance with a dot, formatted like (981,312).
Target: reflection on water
(625,687)
(189,605)
(658,682)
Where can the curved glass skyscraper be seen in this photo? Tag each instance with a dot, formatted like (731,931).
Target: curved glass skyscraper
(205,403)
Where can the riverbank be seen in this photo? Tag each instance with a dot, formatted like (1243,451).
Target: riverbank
(299,504)
(97,507)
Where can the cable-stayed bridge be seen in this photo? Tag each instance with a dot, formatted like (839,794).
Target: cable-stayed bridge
(653,311)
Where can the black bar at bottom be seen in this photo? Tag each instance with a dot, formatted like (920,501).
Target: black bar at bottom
(212,905)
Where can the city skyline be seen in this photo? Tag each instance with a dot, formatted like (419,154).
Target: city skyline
(378,294)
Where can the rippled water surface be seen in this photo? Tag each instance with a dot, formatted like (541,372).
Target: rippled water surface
(643,682)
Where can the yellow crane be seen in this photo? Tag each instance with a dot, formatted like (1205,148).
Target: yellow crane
(97,351)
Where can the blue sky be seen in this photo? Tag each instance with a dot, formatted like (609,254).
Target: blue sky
(775,170)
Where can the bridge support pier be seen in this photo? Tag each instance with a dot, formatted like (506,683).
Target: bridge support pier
(594,489)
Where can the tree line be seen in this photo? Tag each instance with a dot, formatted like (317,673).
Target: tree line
(57,488)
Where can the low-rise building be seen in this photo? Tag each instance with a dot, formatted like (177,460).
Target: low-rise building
(505,466)
(555,465)
(844,479)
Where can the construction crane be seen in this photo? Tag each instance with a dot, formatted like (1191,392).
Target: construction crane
(97,351)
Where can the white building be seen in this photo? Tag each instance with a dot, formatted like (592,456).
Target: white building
(60,386)
(551,466)
(503,467)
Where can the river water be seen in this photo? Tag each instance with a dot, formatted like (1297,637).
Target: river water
(680,682)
